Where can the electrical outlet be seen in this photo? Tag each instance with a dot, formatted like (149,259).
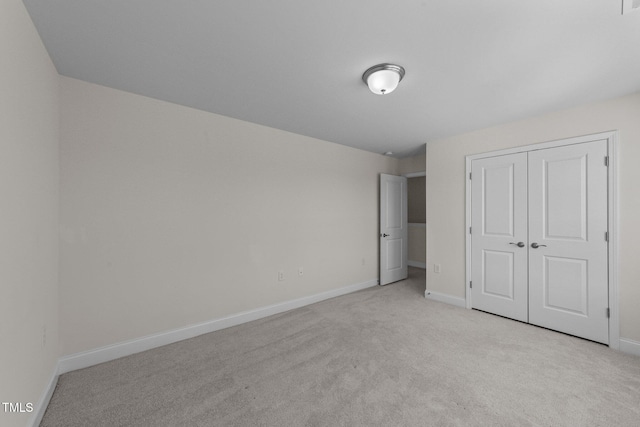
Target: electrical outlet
(436,268)
(300,271)
(281,276)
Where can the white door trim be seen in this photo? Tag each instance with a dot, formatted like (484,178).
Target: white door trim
(612,138)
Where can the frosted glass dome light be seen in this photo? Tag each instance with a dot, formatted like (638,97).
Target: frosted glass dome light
(383,79)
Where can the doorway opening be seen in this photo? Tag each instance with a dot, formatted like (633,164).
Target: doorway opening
(417,220)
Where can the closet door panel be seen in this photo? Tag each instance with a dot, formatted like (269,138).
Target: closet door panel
(499,223)
(568,278)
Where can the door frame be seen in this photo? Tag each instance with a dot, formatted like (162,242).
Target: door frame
(612,139)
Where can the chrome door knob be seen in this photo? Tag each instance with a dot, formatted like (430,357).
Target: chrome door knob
(534,245)
(519,244)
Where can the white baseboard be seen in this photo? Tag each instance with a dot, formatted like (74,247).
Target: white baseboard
(417,264)
(126,348)
(629,346)
(448,299)
(41,407)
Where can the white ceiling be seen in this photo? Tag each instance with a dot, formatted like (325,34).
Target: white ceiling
(297,65)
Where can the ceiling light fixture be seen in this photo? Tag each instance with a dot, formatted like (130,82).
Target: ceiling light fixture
(383,79)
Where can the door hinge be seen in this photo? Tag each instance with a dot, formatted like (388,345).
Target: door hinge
(469,176)
(469,230)
(471,285)
(606,236)
(608,312)
(606,160)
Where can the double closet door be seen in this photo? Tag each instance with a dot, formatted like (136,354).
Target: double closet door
(539,251)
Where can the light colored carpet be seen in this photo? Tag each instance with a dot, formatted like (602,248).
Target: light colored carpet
(384,356)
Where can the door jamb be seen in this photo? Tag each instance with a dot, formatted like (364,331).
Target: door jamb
(612,138)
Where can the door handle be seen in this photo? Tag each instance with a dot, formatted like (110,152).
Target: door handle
(534,245)
(519,244)
(385,235)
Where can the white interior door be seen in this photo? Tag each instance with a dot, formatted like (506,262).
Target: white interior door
(568,277)
(499,235)
(539,251)
(393,228)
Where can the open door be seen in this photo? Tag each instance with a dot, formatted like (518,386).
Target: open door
(393,228)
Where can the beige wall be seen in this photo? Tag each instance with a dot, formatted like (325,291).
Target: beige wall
(445,162)
(411,164)
(416,195)
(29,213)
(172,216)
(417,243)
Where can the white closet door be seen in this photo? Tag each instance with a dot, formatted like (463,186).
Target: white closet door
(568,278)
(499,235)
